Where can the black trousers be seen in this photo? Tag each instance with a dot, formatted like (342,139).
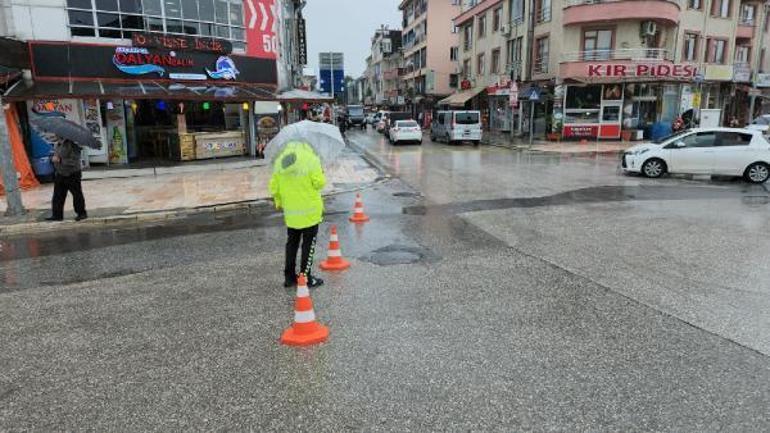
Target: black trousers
(61,186)
(307,237)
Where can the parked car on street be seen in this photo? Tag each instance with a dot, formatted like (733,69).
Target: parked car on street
(405,130)
(716,151)
(456,126)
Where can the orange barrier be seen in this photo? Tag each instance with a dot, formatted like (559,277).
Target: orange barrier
(24,171)
(305,330)
(358,211)
(334,260)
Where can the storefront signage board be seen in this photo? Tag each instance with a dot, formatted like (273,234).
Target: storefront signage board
(89,61)
(719,73)
(302,41)
(762,80)
(181,43)
(662,70)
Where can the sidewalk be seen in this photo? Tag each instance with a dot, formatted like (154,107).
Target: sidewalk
(221,186)
(566,147)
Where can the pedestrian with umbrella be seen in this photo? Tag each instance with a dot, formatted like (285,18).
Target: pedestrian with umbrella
(66,160)
(297,154)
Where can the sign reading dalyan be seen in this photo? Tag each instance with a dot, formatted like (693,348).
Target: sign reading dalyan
(642,70)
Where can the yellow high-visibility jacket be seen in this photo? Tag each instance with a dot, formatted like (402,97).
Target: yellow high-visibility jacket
(296,185)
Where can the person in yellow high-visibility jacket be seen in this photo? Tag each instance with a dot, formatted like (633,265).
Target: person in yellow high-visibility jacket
(296,185)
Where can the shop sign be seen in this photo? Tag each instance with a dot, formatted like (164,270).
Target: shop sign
(466,84)
(579,131)
(89,61)
(641,70)
(719,73)
(301,41)
(741,73)
(762,80)
(513,97)
(261,19)
(181,43)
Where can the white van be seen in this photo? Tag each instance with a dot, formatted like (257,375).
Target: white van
(454,126)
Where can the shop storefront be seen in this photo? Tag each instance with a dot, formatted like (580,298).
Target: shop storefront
(500,110)
(629,101)
(162,99)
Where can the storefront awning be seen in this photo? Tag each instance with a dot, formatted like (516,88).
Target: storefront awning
(459,99)
(145,89)
(300,95)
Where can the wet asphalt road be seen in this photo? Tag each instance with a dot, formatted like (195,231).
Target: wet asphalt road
(493,291)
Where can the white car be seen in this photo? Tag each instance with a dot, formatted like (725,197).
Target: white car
(405,130)
(715,151)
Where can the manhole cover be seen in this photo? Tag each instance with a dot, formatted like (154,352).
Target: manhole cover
(406,194)
(398,255)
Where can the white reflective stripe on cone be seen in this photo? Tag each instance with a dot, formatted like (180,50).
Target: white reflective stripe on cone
(333,238)
(359,210)
(334,253)
(304,316)
(302,292)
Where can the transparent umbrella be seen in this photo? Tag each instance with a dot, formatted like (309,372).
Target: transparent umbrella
(325,139)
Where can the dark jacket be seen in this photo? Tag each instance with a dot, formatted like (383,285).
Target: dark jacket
(69,158)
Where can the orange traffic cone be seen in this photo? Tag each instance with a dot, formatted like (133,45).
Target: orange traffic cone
(358,211)
(334,260)
(305,330)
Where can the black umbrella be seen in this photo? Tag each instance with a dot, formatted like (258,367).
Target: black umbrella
(67,130)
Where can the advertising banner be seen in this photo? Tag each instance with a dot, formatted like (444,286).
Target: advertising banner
(261,20)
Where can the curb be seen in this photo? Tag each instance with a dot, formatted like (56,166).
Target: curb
(371,158)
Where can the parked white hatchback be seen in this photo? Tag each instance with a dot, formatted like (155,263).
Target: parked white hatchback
(405,130)
(715,151)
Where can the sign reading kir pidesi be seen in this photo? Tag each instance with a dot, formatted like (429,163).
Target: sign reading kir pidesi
(663,70)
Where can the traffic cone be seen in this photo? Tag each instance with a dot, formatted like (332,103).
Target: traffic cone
(305,330)
(334,260)
(358,211)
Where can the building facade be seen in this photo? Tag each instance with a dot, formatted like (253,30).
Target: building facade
(429,38)
(154,79)
(616,68)
(384,69)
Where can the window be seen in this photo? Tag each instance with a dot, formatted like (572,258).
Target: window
(454,80)
(748,12)
(716,51)
(693,4)
(517,11)
(497,16)
(495,67)
(466,68)
(733,139)
(543,11)
(119,19)
(690,53)
(424,57)
(468,37)
(454,53)
(597,44)
(541,55)
(467,118)
(700,139)
(721,8)
(480,65)
(742,53)
(482,26)
(582,104)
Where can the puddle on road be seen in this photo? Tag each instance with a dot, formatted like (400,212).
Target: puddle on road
(399,255)
(407,194)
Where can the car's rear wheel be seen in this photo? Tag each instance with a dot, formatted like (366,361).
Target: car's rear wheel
(653,168)
(757,172)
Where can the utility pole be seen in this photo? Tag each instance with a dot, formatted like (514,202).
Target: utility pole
(758,55)
(10,182)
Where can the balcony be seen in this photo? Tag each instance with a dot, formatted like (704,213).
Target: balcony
(391,74)
(577,12)
(745,28)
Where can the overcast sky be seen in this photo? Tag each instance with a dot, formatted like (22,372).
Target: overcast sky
(347,26)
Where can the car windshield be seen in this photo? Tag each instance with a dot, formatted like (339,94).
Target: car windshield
(407,124)
(669,137)
(466,118)
(761,120)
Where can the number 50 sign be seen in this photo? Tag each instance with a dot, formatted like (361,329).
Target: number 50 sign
(261,21)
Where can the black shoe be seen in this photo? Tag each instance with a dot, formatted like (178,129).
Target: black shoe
(314,282)
(54,219)
(81,217)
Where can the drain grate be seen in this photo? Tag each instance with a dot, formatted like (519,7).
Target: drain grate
(398,255)
(406,194)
